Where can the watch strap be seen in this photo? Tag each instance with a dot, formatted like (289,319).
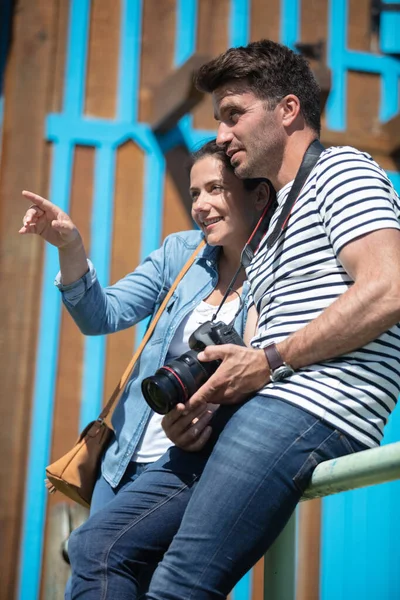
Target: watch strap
(273,357)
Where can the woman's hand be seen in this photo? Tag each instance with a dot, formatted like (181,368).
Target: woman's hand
(47,220)
(189,430)
(54,225)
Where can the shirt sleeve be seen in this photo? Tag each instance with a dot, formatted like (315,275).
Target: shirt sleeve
(74,292)
(354,196)
(99,310)
(249,302)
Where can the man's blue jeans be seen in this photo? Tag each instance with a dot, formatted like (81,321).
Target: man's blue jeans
(250,484)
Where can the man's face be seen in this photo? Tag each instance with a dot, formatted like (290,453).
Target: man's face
(250,132)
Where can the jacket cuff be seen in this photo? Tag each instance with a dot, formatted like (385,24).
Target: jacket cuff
(74,292)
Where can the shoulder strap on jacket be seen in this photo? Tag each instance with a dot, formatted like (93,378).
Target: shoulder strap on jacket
(107,411)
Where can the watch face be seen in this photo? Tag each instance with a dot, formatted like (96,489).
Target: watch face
(281,372)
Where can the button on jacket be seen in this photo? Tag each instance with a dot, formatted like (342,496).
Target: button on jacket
(98,311)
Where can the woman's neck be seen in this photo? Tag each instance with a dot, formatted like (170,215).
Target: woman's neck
(229,259)
(228,264)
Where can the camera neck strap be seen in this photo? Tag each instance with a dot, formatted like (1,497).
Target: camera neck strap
(249,250)
(309,161)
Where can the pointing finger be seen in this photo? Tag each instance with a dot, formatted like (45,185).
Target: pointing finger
(41,202)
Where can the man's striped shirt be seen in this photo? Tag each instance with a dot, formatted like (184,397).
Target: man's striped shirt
(346,195)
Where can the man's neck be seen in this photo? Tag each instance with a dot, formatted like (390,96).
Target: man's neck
(295,149)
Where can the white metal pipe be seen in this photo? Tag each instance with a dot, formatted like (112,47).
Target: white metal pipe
(369,467)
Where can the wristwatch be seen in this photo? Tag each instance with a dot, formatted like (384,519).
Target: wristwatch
(279,369)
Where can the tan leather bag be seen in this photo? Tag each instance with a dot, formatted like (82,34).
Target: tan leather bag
(74,474)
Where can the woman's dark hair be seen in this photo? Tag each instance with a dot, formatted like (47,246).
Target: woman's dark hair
(212,149)
(272,72)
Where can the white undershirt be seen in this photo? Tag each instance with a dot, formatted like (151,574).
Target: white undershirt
(154,442)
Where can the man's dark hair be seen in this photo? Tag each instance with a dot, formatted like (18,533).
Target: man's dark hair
(212,149)
(272,71)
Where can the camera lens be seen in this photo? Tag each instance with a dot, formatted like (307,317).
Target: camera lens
(162,391)
(176,381)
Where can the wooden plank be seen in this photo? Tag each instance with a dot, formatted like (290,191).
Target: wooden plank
(176,95)
(383,142)
(212,39)
(359,22)
(157,51)
(128,208)
(308,562)
(102,68)
(315,28)
(69,372)
(363,99)
(388,162)
(315,31)
(265,20)
(258,580)
(28,79)
(59,56)
(177,201)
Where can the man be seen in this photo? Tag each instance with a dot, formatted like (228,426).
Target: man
(323,372)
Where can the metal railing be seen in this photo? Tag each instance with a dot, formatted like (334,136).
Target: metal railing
(369,467)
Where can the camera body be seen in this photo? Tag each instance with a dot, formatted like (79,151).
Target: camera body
(214,334)
(181,377)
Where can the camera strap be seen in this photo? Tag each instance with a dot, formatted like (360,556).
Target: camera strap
(249,250)
(309,161)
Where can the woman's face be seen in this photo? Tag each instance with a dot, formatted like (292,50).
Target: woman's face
(221,206)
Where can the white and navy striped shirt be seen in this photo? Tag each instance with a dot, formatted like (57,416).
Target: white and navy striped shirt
(346,195)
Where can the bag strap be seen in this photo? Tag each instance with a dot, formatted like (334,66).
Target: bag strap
(107,412)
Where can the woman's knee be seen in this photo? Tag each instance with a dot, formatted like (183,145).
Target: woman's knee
(85,545)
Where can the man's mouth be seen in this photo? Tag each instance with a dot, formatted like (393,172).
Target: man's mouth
(232,151)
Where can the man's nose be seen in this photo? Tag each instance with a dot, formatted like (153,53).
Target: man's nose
(224,135)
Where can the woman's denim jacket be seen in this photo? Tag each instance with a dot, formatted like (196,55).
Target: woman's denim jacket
(99,311)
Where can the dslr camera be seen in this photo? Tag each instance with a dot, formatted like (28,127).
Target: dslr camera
(181,377)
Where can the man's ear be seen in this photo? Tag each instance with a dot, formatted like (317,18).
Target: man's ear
(263,194)
(290,109)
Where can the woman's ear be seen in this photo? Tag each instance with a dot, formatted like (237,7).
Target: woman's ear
(263,194)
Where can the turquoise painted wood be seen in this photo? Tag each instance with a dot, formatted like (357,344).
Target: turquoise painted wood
(360,530)
(390,28)
(71,127)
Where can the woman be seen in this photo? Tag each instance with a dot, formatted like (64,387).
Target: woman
(142,490)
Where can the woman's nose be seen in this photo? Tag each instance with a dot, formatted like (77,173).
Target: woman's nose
(202,204)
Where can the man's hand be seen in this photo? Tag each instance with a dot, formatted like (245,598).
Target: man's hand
(243,371)
(188,428)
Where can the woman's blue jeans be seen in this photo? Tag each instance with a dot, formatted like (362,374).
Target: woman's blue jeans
(207,531)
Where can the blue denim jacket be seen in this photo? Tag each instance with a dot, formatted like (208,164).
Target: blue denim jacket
(99,311)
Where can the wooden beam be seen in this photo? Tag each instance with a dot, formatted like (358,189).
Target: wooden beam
(386,141)
(308,565)
(24,164)
(176,95)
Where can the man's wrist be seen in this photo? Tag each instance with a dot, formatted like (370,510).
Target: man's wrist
(279,369)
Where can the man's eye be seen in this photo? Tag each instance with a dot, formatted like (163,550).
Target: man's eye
(233,115)
(217,188)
